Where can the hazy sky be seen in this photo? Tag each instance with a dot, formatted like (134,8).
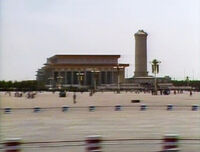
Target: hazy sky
(32,30)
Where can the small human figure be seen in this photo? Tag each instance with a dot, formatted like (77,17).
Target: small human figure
(91,93)
(74,98)
(161,92)
(190,92)
(28,95)
(175,92)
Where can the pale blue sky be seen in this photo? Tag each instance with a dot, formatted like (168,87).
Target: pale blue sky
(32,30)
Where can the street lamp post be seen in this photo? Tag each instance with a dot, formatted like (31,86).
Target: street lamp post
(50,82)
(59,81)
(187,80)
(118,77)
(155,69)
(80,77)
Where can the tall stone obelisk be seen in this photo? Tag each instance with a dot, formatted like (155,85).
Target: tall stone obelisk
(141,54)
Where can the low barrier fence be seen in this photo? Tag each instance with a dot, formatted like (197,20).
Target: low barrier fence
(92,108)
(96,143)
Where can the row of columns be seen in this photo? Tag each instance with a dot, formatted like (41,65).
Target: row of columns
(68,77)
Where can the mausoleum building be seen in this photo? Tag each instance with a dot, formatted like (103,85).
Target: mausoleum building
(82,70)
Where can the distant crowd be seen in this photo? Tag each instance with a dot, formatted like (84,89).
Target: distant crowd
(32,94)
(29,95)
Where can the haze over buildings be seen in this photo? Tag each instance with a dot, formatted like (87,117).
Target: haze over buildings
(33,30)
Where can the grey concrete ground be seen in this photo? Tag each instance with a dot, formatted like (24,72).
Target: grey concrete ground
(77,123)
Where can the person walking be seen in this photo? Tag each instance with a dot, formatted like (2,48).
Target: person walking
(74,98)
(190,92)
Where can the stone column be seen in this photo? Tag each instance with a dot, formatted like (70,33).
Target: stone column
(121,73)
(112,76)
(65,79)
(72,75)
(105,77)
(85,80)
(99,77)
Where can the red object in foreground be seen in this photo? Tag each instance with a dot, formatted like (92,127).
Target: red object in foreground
(93,143)
(12,145)
(170,143)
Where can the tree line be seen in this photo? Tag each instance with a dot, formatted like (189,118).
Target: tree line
(192,83)
(27,85)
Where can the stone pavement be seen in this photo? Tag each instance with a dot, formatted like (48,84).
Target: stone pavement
(76,124)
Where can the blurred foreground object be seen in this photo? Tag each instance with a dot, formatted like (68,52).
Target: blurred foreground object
(93,143)
(170,143)
(12,145)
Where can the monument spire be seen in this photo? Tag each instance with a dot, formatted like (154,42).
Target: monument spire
(141,54)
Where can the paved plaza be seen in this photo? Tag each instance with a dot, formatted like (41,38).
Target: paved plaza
(78,122)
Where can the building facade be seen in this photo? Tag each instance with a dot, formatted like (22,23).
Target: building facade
(82,70)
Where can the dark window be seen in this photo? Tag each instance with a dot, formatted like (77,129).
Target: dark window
(75,77)
(55,76)
(88,78)
(103,77)
(109,77)
(62,74)
(69,77)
